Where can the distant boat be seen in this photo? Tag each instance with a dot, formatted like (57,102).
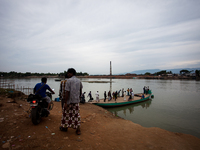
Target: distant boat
(120,101)
(58,79)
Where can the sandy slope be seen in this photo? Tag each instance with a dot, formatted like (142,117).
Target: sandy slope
(100,130)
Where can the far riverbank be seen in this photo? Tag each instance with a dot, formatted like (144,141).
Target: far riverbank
(141,77)
(123,77)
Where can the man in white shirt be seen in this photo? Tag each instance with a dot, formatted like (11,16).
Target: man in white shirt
(125,95)
(132,95)
(97,96)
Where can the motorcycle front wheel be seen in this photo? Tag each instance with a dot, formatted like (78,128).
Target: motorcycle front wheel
(35,115)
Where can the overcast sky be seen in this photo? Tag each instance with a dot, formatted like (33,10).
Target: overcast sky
(54,35)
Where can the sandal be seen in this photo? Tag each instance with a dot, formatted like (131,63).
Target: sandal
(78,132)
(63,129)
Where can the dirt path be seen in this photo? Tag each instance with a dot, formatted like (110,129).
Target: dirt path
(100,130)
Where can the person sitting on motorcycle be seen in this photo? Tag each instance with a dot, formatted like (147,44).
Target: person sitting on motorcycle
(40,89)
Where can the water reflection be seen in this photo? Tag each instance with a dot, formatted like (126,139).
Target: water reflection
(129,108)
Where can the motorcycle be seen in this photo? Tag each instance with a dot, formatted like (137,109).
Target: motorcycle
(39,107)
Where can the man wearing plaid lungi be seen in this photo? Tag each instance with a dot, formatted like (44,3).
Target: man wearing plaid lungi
(71,110)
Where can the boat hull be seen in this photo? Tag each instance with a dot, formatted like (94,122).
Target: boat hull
(118,104)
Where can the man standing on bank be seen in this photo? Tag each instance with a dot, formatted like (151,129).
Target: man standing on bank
(71,116)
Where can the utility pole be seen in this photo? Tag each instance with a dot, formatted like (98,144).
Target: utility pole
(110,68)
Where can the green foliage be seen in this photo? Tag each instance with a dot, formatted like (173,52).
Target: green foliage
(163,72)
(185,71)
(197,72)
(147,73)
(82,74)
(27,74)
(77,74)
(62,73)
(169,72)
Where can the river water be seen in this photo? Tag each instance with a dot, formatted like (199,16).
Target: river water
(175,106)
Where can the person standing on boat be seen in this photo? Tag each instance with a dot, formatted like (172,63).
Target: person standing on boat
(144,89)
(62,90)
(109,96)
(118,94)
(71,112)
(132,95)
(105,96)
(115,95)
(97,96)
(125,95)
(90,95)
(147,90)
(131,91)
(122,92)
(128,91)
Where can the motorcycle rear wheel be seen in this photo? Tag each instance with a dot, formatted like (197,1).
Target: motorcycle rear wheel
(35,115)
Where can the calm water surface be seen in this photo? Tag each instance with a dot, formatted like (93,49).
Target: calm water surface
(175,107)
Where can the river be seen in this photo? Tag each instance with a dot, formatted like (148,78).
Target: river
(175,106)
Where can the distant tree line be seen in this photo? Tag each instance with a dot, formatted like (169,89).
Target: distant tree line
(163,72)
(182,72)
(29,74)
(77,74)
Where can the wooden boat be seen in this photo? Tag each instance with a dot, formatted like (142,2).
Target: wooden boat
(58,79)
(120,100)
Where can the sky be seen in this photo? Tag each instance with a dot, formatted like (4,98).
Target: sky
(54,35)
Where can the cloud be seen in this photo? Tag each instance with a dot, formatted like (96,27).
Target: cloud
(51,36)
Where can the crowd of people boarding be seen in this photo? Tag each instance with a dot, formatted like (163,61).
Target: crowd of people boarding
(114,95)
